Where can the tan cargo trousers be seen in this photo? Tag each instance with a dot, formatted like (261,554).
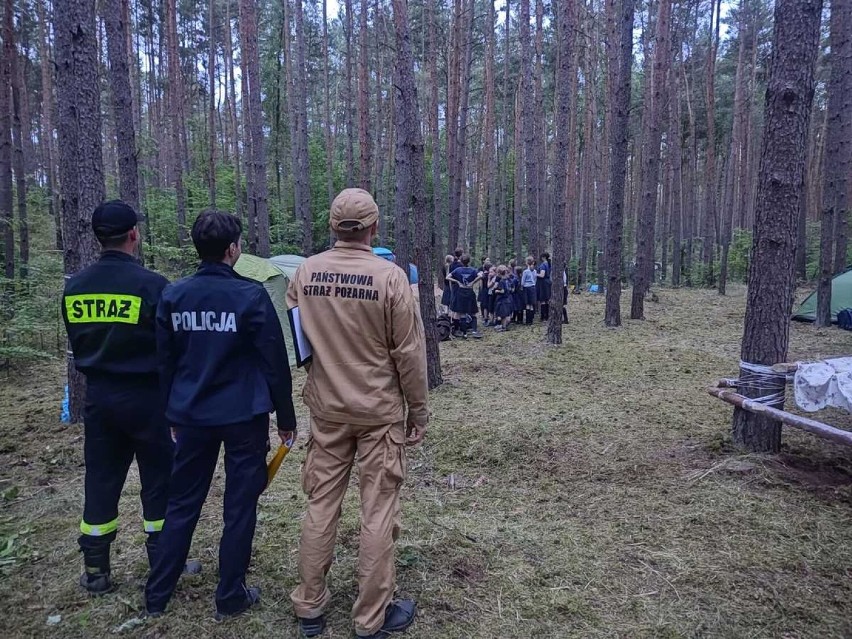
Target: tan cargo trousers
(382,467)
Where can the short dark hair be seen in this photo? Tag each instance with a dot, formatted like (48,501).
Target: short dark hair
(545,256)
(114,241)
(213,232)
(459,252)
(465,259)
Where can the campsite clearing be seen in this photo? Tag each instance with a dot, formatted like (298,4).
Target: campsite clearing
(588,490)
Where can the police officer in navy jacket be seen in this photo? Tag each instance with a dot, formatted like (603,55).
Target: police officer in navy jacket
(109,311)
(223,369)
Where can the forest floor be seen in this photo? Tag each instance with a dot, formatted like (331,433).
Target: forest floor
(583,491)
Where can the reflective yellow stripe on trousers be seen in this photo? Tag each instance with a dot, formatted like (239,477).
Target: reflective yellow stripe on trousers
(153,526)
(99,530)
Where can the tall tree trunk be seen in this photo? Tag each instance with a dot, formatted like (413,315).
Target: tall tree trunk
(251,70)
(329,140)
(408,130)
(81,172)
(211,104)
(7,214)
(517,191)
(364,142)
(535,138)
(789,93)
(232,99)
(566,12)
(17,140)
(844,59)
(176,117)
(502,221)
(466,55)
(47,120)
(349,26)
(619,143)
(122,102)
(302,171)
(676,141)
(488,166)
(710,160)
(729,214)
(651,164)
(527,94)
(434,133)
(838,155)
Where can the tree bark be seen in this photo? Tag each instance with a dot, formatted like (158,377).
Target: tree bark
(789,93)
(410,146)
(17,141)
(487,182)
(251,70)
(364,141)
(176,117)
(676,142)
(302,171)
(651,164)
(7,213)
(122,102)
(47,119)
(838,156)
(228,43)
(710,160)
(329,140)
(211,104)
(349,25)
(81,172)
(618,143)
(844,59)
(566,12)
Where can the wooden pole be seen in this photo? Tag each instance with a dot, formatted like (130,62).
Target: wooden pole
(812,426)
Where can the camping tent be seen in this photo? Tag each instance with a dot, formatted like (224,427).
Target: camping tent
(841,297)
(274,273)
(387,254)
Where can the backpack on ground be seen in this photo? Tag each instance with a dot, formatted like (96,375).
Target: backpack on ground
(844,319)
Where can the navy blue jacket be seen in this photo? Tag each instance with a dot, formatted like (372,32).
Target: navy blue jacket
(109,310)
(222,354)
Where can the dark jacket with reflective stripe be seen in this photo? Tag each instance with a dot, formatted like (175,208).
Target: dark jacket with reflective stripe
(109,310)
(222,354)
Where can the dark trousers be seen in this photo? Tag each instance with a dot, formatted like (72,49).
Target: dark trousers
(196,455)
(123,419)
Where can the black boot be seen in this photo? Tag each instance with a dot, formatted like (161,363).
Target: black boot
(399,616)
(530,316)
(95,579)
(564,315)
(545,312)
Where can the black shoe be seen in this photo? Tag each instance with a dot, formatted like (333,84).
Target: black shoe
(398,617)
(252,599)
(312,627)
(96,584)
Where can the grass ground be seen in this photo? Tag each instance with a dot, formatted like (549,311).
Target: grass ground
(582,491)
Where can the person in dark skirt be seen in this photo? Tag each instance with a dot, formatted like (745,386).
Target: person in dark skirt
(447,295)
(517,296)
(492,300)
(503,304)
(544,286)
(529,280)
(483,291)
(464,299)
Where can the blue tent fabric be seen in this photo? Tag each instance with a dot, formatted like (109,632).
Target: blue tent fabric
(387,254)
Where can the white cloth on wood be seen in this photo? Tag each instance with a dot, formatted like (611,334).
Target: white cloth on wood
(827,383)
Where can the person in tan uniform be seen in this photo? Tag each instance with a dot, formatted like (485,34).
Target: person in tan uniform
(367,394)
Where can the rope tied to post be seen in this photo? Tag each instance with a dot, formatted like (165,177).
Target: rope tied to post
(761,377)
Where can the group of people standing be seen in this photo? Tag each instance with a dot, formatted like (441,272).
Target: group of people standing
(508,294)
(175,372)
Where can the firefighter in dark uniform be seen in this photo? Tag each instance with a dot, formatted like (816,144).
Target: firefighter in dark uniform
(223,369)
(109,310)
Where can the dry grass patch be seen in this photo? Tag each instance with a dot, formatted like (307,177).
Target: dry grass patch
(589,490)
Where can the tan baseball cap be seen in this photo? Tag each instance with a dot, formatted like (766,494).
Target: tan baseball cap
(353,210)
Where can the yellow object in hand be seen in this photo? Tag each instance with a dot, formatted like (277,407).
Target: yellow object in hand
(275,463)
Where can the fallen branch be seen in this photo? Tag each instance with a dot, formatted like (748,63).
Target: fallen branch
(810,425)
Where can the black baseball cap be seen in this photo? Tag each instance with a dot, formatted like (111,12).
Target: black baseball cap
(113,218)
